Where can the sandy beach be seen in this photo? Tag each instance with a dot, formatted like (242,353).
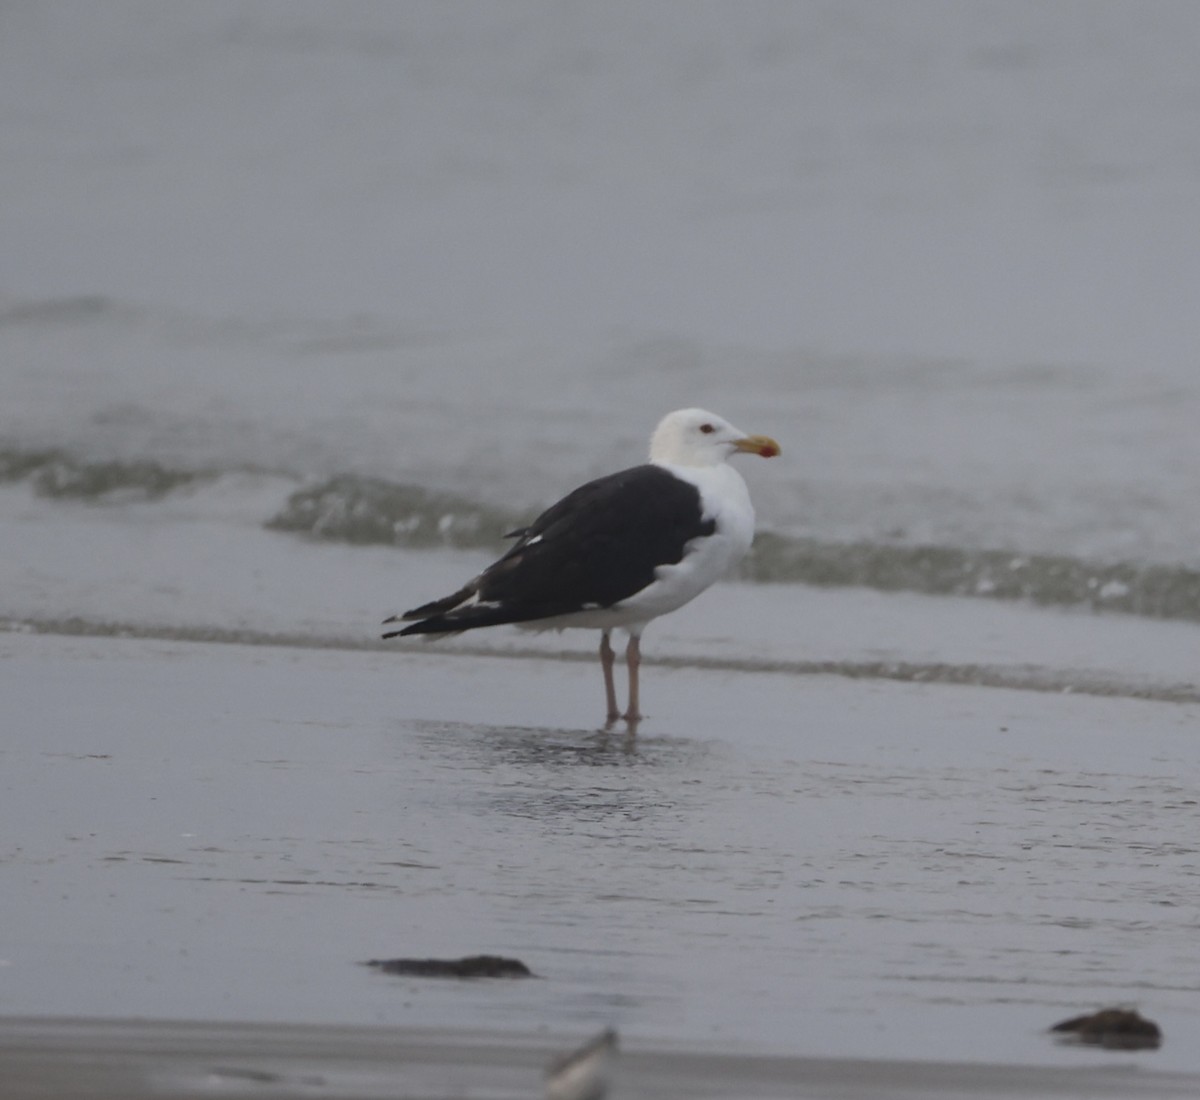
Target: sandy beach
(129,1060)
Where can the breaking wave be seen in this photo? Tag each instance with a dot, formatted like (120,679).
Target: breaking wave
(357,509)
(365,510)
(56,474)
(1152,590)
(372,510)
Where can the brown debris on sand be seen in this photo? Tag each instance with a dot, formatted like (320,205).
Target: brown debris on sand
(1112,1029)
(472,966)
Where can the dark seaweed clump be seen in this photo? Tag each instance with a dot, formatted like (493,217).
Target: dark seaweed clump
(1112,1029)
(472,966)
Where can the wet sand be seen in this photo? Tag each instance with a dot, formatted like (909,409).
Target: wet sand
(126,1060)
(853,887)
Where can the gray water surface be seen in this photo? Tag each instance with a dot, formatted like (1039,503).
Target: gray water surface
(812,866)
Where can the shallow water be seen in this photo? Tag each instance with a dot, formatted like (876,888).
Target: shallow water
(808,866)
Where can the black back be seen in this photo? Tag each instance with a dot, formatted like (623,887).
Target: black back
(597,546)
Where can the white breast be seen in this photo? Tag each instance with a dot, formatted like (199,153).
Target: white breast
(725,500)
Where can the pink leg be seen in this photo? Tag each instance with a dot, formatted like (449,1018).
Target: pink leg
(633,661)
(607,657)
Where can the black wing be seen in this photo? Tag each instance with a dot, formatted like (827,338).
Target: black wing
(597,546)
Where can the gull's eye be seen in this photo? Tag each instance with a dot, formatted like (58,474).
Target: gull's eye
(707,429)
